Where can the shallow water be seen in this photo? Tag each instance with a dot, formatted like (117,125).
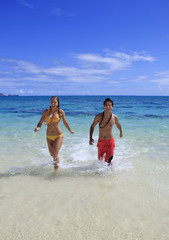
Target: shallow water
(85,199)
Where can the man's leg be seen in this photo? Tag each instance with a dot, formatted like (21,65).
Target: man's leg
(110,151)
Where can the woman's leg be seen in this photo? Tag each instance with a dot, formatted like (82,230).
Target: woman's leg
(50,146)
(56,147)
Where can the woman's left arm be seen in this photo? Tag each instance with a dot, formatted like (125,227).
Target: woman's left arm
(66,123)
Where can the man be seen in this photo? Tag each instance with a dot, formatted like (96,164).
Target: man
(106,120)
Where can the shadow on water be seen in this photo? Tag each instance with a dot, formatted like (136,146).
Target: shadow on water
(47,172)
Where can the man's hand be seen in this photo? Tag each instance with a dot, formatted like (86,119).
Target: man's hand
(91,142)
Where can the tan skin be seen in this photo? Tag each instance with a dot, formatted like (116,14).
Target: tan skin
(106,132)
(53,130)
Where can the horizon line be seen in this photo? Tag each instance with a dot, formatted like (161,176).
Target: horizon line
(79,95)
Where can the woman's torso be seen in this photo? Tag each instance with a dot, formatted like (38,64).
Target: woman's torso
(53,127)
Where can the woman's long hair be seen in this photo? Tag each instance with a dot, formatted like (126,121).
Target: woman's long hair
(54,114)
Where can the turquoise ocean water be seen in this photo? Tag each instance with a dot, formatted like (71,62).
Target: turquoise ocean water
(85,199)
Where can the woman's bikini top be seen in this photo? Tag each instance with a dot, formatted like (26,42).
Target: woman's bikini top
(52,119)
(55,119)
(102,120)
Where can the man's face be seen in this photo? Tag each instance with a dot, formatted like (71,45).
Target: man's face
(108,106)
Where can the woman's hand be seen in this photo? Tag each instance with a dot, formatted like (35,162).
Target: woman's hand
(72,132)
(37,129)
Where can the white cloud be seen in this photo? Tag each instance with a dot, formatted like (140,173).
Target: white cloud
(30,91)
(92,68)
(4,73)
(113,64)
(57,11)
(160,88)
(162,81)
(162,78)
(162,74)
(25,3)
(60,13)
(139,79)
(114,61)
(21,66)
(135,56)
(21,91)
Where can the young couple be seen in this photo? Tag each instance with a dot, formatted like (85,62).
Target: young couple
(106,120)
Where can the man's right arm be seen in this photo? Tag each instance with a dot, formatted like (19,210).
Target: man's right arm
(91,141)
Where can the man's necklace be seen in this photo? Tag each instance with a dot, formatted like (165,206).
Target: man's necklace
(102,120)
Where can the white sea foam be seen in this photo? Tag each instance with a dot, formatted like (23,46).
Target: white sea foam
(77,154)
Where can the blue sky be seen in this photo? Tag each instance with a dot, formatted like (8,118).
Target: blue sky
(84,47)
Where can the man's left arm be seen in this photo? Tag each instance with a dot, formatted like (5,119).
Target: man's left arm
(118,125)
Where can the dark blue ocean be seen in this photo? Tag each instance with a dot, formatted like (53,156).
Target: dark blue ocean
(144,121)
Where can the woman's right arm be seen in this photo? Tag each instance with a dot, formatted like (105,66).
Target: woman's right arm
(40,122)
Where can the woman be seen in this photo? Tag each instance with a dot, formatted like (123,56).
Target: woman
(51,118)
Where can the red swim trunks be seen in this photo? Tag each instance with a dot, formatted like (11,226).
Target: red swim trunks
(106,147)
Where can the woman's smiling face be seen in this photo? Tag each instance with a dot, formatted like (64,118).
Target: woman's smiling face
(54,103)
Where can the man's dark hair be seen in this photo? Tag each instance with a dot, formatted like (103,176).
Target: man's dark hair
(108,100)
